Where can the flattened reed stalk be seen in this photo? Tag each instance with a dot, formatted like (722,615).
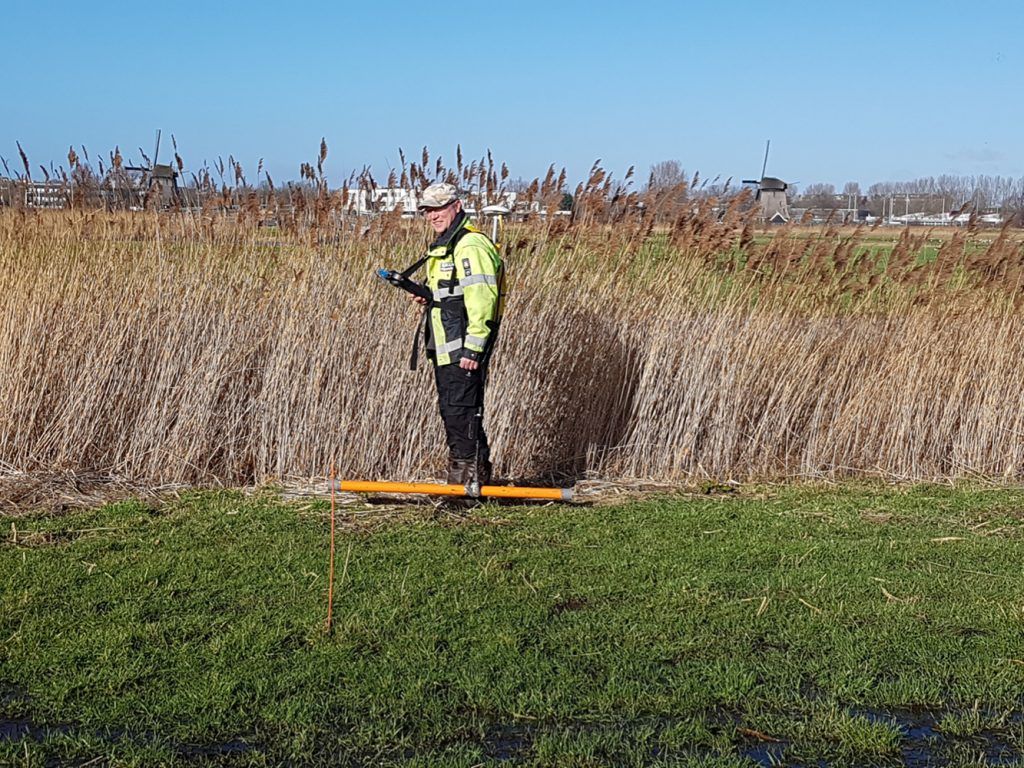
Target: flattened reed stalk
(222,352)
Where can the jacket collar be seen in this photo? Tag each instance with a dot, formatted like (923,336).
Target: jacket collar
(446,237)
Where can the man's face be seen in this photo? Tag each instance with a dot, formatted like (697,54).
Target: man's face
(441,218)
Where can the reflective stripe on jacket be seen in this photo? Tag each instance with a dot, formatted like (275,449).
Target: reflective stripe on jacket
(465,282)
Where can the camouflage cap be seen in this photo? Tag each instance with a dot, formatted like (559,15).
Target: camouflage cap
(438,196)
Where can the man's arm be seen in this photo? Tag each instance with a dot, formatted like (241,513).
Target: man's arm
(476,265)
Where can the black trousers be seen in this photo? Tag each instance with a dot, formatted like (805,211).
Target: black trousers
(460,396)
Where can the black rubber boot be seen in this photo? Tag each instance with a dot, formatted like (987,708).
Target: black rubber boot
(456,472)
(486,472)
(463,471)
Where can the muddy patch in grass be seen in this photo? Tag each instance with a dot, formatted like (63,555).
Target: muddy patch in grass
(935,737)
(22,728)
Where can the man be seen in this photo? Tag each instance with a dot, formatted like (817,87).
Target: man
(464,274)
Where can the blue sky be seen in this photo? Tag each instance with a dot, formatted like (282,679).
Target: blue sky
(867,91)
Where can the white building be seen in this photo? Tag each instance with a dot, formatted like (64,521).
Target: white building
(943,219)
(387,199)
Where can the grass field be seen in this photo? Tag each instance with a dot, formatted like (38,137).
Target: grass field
(860,625)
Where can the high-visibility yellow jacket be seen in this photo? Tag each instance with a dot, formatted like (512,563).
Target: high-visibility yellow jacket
(464,273)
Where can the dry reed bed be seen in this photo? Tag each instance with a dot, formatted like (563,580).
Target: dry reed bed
(171,350)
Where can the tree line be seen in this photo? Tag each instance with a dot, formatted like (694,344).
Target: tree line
(933,194)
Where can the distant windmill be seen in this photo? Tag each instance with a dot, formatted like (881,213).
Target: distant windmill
(771,194)
(163,177)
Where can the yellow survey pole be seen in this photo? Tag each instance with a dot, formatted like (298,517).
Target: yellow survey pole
(436,489)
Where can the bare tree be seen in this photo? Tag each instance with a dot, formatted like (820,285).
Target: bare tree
(820,196)
(666,174)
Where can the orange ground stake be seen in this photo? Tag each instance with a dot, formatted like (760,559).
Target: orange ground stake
(436,489)
(330,567)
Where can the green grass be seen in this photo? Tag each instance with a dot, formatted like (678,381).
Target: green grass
(785,624)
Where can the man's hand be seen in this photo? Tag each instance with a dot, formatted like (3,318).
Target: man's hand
(469,365)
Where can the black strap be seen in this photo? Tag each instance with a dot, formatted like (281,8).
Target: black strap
(421,326)
(424,317)
(406,273)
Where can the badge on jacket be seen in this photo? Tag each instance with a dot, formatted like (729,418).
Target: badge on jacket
(465,267)
(447,266)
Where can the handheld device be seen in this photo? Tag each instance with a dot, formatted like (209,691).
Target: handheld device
(399,280)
